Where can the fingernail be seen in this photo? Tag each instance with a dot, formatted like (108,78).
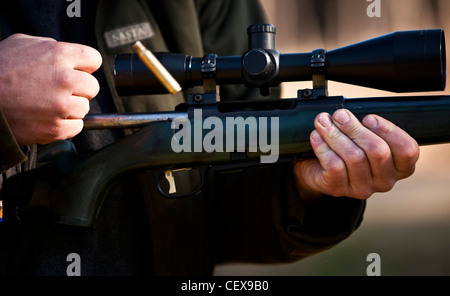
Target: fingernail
(325,120)
(341,116)
(370,122)
(316,137)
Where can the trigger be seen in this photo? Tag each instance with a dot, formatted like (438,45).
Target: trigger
(169,177)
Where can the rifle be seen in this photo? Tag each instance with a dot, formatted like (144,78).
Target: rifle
(208,134)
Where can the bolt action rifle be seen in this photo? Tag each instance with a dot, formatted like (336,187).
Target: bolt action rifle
(406,61)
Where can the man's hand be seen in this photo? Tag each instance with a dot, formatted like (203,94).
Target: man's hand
(45,87)
(355,159)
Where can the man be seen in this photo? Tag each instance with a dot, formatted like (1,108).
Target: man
(279,214)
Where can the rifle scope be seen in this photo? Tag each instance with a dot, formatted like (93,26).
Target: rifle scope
(404,61)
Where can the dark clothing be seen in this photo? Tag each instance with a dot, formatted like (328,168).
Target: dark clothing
(253,215)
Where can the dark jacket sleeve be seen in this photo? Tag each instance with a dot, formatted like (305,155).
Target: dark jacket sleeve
(259,216)
(10,152)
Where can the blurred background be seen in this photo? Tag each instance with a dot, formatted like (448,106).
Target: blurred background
(409,227)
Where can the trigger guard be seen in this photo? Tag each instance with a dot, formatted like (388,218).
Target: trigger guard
(158,175)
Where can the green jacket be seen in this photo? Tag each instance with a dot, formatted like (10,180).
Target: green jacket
(253,215)
(10,152)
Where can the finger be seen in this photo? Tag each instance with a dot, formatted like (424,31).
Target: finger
(77,83)
(70,107)
(83,58)
(70,128)
(405,150)
(376,150)
(67,129)
(356,162)
(48,132)
(84,85)
(79,107)
(25,36)
(327,173)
